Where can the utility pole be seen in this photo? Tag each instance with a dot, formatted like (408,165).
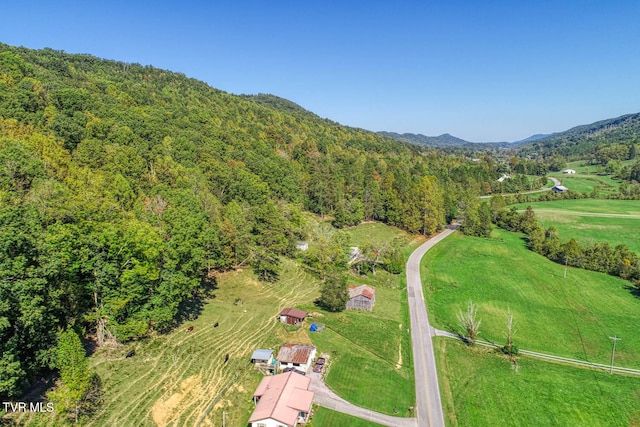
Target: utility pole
(613,351)
(566,261)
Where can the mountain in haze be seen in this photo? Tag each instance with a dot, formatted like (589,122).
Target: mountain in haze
(572,143)
(584,140)
(533,138)
(443,141)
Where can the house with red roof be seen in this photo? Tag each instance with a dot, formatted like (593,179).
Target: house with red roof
(296,356)
(282,400)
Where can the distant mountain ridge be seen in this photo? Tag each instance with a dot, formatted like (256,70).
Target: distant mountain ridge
(576,141)
(442,141)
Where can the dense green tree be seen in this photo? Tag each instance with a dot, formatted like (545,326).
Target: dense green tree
(334,293)
(75,377)
(425,209)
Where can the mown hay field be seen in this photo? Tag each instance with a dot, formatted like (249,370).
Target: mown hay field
(173,379)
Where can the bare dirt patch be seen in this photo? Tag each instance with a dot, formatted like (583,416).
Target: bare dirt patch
(164,411)
(399,364)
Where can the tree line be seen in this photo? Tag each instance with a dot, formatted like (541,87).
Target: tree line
(617,261)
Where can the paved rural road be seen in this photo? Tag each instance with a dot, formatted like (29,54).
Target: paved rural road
(555,182)
(428,404)
(323,396)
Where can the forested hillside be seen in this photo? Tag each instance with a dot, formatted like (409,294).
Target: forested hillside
(125,188)
(583,142)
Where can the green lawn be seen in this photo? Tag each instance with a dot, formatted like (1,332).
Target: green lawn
(566,216)
(324,417)
(370,352)
(482,388)
(359,375)
(570,317)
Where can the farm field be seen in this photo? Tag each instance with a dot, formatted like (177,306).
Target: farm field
(572,317)
(480,387)
(586,179)
(173,379)
(590,220)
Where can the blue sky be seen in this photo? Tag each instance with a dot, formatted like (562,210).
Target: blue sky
(480,70)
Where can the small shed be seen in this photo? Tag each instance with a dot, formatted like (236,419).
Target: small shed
(568,171)
(292,316)
(264,357)
(559,189)
(503,177)
(361,297)
(303,246)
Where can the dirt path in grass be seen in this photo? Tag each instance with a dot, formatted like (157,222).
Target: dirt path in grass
(578,213)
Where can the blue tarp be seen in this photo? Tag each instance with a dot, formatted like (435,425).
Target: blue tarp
(313,327)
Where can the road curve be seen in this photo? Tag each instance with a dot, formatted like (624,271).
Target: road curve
(428,404)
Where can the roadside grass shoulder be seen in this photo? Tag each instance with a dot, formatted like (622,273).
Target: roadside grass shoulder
(481,387)
(571,317)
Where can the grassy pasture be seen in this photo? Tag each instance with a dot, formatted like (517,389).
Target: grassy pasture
(570,317)
(481,388)
(173,378)
(586,178)
(377,232)
(579,219)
